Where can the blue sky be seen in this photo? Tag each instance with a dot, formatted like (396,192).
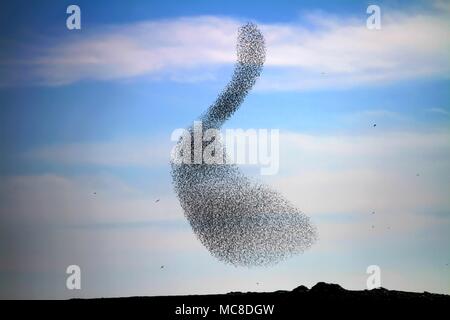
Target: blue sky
(92,111)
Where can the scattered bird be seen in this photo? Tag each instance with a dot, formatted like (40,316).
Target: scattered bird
(373,226)
(95,192)
(417,174)
(157,200)
(162,267)
(374,124)
(373,212)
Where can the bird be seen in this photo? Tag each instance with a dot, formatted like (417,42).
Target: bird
(157,200)
(240,222)
(162,267)
(374,124)
(95,192)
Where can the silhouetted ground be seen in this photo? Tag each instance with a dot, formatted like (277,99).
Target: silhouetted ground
(321,299)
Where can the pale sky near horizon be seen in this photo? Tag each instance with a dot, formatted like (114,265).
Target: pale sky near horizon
(86,118)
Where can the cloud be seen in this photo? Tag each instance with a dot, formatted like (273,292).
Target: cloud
(331,52)
(342,52)
(440,111)
(367,148)
(131,152)
(402,176)
(367,118)
(82,201)
(127,51)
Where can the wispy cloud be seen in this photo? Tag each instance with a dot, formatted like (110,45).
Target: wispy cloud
(440,111)
(126,51)
(60,201)
(128,152)
(403,176)
(374,115)
(332,51)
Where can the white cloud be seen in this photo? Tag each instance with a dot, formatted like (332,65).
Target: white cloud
(373,146)
(332,52)
(59,201)
(440,111)
(130,152)
(343,52)
(340,180)
(144,48)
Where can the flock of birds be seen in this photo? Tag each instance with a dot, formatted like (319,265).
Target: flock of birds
(240,221)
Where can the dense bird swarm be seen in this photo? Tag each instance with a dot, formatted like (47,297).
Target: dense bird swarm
(240,221)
